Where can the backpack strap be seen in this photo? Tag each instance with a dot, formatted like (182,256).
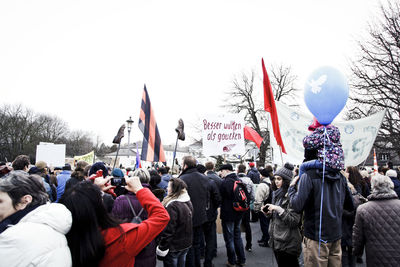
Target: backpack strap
(130,205)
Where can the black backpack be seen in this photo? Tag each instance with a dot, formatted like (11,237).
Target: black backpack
(241,200)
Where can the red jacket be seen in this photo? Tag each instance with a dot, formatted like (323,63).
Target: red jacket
(123,245)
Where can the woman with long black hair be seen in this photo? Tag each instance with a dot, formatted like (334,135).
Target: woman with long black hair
(285,237)
(96,238)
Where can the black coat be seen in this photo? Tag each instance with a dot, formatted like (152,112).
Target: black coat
(337,196)
(226,189)
(212,175)
(213,200)
(197,184)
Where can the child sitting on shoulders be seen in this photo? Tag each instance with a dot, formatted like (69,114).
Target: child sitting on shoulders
(334,159)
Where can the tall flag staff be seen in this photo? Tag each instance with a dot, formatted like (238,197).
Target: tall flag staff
(180,136)
(117,140)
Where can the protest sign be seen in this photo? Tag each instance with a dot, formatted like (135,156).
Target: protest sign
(89,157)
(53,155)
(223,134)
(357,136)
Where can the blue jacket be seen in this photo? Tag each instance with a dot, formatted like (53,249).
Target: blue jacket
(396,184)
(62,178)
(254,175)
(337,196)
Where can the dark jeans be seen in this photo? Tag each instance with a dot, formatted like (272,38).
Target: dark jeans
(233,242)
(264,224)
(348,259)
(285,259)
(247,227)
(193,255)
(176,259)
(210,238)
(254,216)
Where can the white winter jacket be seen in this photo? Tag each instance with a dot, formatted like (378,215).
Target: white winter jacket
(38,239)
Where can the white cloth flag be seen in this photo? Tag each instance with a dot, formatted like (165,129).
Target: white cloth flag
(357,136)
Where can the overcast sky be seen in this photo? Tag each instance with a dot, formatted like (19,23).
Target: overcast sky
(87,61)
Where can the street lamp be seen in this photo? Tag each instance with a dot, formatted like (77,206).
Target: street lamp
(129,123)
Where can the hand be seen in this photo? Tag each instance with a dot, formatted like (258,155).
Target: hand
(294,181)
(133,184)
(103,183)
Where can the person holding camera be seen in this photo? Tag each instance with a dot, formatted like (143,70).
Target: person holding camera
(98,239)
(127,208)
(285,237)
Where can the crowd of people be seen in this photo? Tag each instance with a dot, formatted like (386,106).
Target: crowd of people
(316,214)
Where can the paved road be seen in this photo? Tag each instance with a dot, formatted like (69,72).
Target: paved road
(260,256)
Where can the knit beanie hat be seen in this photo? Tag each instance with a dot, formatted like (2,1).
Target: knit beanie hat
(286,172)
(117,173)
(98,166)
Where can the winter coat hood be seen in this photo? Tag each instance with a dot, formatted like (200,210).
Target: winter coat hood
(55,215)
(38,239)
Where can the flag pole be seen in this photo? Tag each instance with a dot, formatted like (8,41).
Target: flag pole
(116,156)
(280,149)
(173,158)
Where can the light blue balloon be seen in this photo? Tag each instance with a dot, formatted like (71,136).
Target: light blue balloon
(326,92)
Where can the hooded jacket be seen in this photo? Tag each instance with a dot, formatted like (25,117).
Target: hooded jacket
(178,234)
(38,239)
(377,228)
(337,196)
(334,153)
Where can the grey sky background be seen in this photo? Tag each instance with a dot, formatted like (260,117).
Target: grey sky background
(86,61)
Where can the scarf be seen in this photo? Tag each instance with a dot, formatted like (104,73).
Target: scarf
(183,197)
(14,218)
(277,196)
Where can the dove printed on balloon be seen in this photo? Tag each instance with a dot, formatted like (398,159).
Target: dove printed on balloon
(326,93)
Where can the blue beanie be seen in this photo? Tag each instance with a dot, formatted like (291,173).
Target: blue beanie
(117,173)
(98,166)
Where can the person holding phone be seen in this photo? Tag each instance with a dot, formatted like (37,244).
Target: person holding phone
(285,237)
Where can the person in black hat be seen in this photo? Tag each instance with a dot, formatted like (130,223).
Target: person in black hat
(285,237)
(231,218)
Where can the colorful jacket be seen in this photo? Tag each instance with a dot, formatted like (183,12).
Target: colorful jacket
(125,242)
(334,153)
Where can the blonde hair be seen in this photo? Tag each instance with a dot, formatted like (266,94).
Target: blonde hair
(143,175)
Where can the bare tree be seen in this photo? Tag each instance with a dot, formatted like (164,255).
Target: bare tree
(244,99)
(282,81)
(376,75)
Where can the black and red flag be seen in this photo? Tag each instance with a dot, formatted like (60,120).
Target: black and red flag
(152,149)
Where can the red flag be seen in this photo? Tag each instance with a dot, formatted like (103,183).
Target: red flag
(269,106)
(252,135)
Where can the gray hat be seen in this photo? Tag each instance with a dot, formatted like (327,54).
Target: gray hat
(286,172)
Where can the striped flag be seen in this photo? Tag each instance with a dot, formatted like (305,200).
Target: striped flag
(152,149)
(375,163)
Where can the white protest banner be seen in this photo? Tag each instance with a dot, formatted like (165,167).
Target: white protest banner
(357,136)
(53,155)
(223,134)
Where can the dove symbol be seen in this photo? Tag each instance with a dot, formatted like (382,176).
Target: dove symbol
(316,85)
